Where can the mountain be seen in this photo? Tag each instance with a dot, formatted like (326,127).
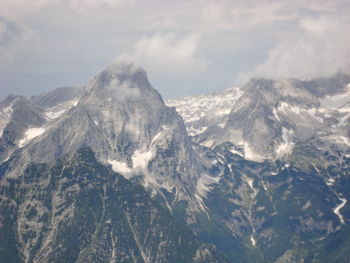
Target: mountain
(272,116)
(77,210)
(125,122)
(203,111)
(23,119)
(284,194)
(259,173)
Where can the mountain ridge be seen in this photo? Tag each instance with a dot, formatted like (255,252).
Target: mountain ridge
(261,171)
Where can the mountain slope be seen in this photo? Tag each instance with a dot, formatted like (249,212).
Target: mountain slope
(283,195)
(272,116)
(264,176)
(77,210)
(124,120)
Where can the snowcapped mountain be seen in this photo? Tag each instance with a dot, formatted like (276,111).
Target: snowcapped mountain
(125,122)
(203,111)
(284,150)
(261,171)
(272,116)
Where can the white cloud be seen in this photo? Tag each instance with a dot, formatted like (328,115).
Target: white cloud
(168,53)
(320,47)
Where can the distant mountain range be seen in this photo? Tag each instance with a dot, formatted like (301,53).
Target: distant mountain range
(109,172)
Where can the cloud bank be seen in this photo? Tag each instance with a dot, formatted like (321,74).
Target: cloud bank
(188,46)
(319,48)
(168,53)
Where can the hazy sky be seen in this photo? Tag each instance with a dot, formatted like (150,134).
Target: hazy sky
(187,47)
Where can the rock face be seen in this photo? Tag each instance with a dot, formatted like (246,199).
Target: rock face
(23,119)
(263,117)
(272,116)
(77,210)
(124,121)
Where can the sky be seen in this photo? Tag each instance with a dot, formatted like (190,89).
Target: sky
(187,47)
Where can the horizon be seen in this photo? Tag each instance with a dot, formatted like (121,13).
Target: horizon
(187,48)
(4,96)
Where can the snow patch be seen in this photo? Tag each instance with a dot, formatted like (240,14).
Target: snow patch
(193,131)
(120,167)
(330,181)
(208,143)
(264,186)
(253,240)
(286,147)
(141,158)
(344,109)
(201,111)
(284,107)
(29,135)
(203,187)
(204,182)
(60,109)
(307,205)
(336,210)
(250,182)
(275,114)
(222,125)
(233,151)
(249,153)
(54,114)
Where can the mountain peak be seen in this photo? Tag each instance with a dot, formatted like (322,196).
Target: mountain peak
(121,82)
(123,68)
(124,72)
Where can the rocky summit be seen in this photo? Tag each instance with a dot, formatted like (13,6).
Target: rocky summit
(109,172)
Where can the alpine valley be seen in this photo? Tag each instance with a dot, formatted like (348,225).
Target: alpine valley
(110,172)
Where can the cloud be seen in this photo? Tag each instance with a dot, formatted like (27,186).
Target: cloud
(8,32)
(168,53)
(320,47)
(13,36)
(85,5)
(68,40)
(19,9)
(229,15)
